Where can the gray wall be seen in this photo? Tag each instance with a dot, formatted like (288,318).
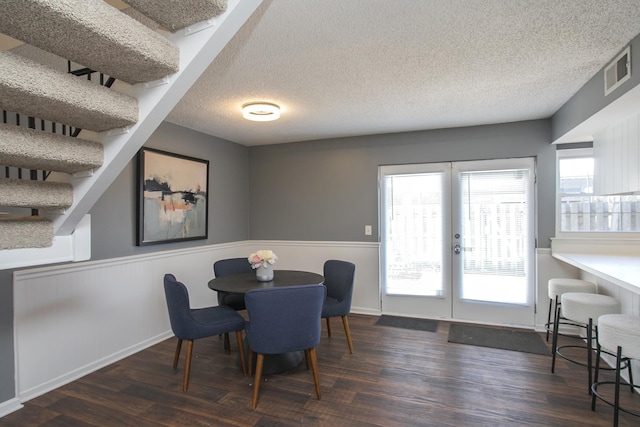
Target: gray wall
(113,217)
(590,98)
(327,190)
(7,385)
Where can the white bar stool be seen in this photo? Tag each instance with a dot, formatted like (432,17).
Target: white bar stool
(558,286)
(582,310)
(619,333)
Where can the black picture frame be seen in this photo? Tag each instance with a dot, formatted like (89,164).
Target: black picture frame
(173,198)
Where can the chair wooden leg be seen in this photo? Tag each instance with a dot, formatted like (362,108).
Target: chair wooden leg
(227,346)
(177,356)
(328,327)
(314,369)
(187,365)
(257,379)
(306,358)
(241,351)
(347,332)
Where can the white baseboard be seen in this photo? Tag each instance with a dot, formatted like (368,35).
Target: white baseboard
(80,372)
(9,406)
(367,311)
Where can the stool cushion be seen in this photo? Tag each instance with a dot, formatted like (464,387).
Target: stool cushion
(620,330)
(580,306)
(559,286)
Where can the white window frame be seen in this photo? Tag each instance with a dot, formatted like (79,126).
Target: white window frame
(572,153)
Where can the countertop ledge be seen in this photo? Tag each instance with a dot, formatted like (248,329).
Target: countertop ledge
(617,262)
(623,271)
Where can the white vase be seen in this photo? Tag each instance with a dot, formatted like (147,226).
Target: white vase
(264,273)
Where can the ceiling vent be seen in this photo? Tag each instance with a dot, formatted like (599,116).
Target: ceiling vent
(617,72)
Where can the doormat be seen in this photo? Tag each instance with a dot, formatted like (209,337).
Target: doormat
(408,323)
(501,338)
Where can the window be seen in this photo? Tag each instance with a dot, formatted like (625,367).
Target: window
(579,210)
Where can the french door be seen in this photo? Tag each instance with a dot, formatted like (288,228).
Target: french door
(457,240)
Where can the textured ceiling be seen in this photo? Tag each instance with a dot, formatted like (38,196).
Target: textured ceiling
(356,67)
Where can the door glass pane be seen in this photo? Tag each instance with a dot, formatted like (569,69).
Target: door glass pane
(494,236)
(414,233)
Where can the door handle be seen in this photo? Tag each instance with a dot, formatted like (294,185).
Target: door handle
(457,249)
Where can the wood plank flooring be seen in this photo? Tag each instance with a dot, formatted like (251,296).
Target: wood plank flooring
(396,377)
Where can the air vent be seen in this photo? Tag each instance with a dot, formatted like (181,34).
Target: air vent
(617,72)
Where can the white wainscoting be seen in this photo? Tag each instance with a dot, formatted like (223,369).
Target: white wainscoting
(73,319)
(630,304)
(547,267)
(629,300)
(310,256)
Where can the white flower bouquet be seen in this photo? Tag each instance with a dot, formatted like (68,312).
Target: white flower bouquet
(262,258)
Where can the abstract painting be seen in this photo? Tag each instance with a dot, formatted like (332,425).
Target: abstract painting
(172,197)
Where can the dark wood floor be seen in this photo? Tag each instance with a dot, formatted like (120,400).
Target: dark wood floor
(396,377)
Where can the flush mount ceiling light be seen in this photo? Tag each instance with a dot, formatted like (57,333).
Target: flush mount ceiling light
(261,111)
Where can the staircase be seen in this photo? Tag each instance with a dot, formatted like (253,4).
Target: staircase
(154,50)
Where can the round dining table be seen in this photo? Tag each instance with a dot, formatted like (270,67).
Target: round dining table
(244,282)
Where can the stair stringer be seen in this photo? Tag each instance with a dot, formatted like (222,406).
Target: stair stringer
(199,45)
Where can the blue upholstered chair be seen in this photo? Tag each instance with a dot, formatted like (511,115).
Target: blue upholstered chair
(338,278)
(283,320)
(225,267)
(190,324)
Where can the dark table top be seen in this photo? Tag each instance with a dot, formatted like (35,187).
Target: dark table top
(245,282)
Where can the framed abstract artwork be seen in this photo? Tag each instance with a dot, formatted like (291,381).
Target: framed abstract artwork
(172,197)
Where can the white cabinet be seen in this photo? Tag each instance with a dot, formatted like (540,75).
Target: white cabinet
(617,157)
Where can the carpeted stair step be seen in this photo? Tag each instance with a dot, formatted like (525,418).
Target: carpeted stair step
(94,34)
(22,193)
(33,89)
(31,149)
(176,15)
(31,232)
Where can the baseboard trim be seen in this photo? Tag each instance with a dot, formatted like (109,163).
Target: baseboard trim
(366,311)
(10,406)
(89,368)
